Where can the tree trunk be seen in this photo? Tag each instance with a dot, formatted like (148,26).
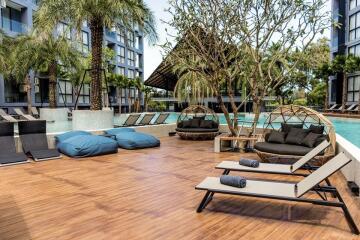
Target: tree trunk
(326,102)
(97,34)
(129,100)
(52,84)
(28,93)
(220,101)
(145,103)
(120,99)
(344,93)
(257,101)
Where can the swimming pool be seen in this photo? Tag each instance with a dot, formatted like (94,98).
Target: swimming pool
(349,128)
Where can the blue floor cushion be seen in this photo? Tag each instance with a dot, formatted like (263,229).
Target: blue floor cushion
(116,131)
(62,137)
(136,140)
(87,146)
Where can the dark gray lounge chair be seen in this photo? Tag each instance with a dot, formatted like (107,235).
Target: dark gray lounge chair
(286,191)
(130,121)
(146,120)
(34,140)
(8,154)
(161,118)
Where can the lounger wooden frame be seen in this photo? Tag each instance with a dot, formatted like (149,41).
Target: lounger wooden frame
(311,183)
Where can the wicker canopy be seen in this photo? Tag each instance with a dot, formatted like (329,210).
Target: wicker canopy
(198,111)
(299,114)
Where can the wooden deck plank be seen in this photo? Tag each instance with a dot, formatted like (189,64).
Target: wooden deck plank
(149,194)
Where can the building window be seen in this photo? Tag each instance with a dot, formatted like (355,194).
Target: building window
(131,58)
(355,50)
(84,42)
(65,92)
(120,51)
(353,89)
(120,36)
(354,26)
(63,30)
(84,96)
(11,20)
(131,39)
(131,74)
(138,60)
(138,42)
(353,4)
(120,71)
(14,91)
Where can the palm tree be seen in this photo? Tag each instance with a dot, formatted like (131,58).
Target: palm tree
(121,82)
(147,96)
(138,84)
(130,84)
(49,53)
(99,14)
(13,67)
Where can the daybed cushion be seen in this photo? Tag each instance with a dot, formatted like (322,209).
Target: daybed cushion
(116,131)
(87,146)
(296,136)
(62,137)
(310,139)
(286,127)
(197,130)
(282,149)
(206,124)
(276,137)
(136,140)
(316,129)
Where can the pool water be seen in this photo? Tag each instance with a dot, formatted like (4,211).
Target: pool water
(348,128)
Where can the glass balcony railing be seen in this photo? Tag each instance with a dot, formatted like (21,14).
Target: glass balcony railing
(13,25)
(110,33)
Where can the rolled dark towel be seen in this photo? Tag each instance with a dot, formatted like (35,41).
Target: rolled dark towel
(234,181)
(249,162)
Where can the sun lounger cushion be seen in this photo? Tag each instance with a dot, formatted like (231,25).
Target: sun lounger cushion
(116,131)
(62,137)
(87,146)
(282,149)
(12,158)
(45,154)
(136,140)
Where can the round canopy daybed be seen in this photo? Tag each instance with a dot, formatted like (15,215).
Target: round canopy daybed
(197,123)
(283,120)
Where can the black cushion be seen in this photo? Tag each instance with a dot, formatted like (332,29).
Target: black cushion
(276,137)
(6,129)
(194,130)
(316,129)
(282,149)
(215,124)
(180,124)
(186,124)
(200,118)
(45,154)
(285,127)
(206,124)
(12,158)
(32,127)
(310,139)
(195,123)
(296,136)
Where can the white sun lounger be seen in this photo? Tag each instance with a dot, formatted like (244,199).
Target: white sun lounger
(273,168)
(284,190)
(7,117)
(22,114)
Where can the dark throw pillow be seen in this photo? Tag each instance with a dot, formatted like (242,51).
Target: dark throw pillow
(214,124)
(310,139)
(206,124)
(296,136)
(186,124)
(200,118)
(285,127)
(180,124)
(316,129)
(276,137)
(195,123)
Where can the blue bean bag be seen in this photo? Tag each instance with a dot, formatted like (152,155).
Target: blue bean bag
(62,137)
(116,131)
(87,146)
(136,140)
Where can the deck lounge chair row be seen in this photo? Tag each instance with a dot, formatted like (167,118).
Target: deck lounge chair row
(284,190)
(348,108)
(33,140)
(21,115)
(146,120)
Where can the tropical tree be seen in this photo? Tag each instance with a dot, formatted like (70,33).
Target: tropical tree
(343,65)
(48,53)
(121,82)
(138,84)
(147,91)
(226,41)
(98,14)
(14,68)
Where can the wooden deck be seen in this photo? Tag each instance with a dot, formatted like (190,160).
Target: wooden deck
(149,194)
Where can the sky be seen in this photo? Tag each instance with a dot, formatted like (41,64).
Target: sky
(152,54)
